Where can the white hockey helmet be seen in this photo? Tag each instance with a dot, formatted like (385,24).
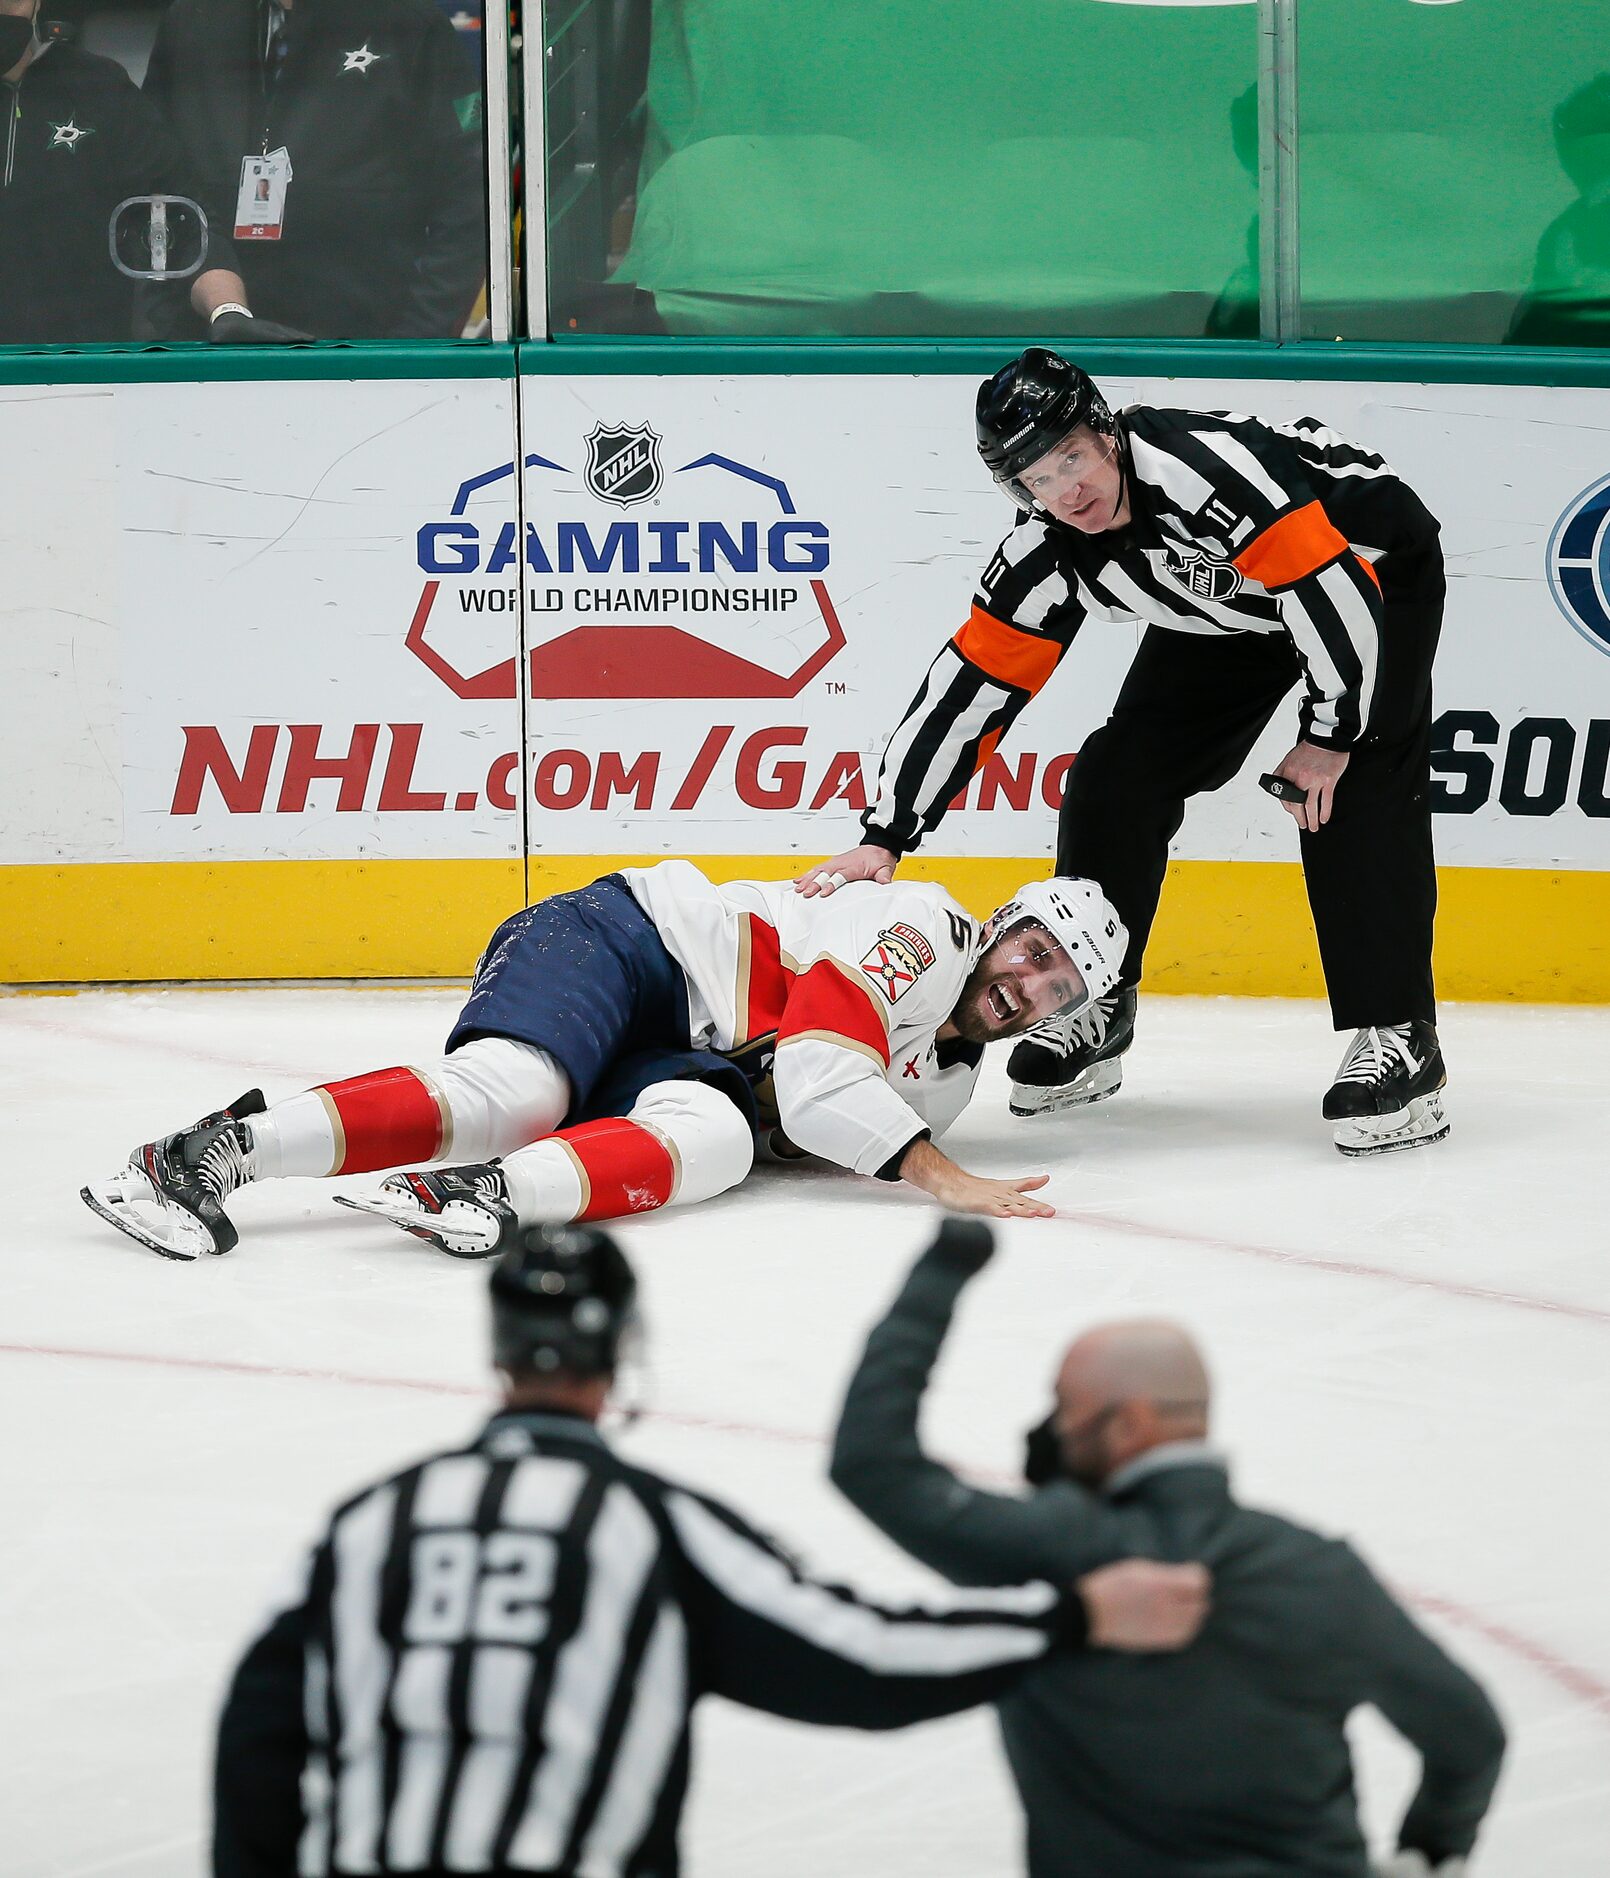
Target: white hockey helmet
(1080,917)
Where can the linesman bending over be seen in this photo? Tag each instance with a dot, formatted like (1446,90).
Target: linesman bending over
(488,1662)
(1262,558)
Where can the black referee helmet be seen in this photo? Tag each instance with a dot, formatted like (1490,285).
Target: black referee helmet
(563,1298)
(1027,408)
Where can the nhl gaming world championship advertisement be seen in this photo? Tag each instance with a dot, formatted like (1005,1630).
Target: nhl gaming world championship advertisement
(682,615)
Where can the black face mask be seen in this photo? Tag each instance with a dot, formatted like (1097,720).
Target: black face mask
(16,36)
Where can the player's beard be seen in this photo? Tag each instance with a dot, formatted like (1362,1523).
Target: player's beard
(972,1015)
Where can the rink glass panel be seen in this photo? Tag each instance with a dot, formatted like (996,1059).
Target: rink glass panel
(1455,172)
(747,168)
(378,194)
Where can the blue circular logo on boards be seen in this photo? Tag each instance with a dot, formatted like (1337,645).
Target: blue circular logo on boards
(1579,564)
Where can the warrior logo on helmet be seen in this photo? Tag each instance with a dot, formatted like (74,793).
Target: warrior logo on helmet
(623,463)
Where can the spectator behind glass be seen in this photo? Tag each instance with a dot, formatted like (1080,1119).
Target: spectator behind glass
(78,139)
(371,125)
(1568,303)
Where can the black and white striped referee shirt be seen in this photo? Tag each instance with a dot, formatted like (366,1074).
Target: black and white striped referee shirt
(1237,526)
(489,1664)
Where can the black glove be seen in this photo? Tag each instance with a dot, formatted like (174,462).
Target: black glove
(244,329)
(967,1244)
(1042,1453)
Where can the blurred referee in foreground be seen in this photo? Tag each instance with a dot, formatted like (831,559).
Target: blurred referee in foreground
(489,1664)
(1230,1759)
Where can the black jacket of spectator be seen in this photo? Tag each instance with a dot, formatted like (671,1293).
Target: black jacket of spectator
(76,139)
(385,223)
(1225,1760)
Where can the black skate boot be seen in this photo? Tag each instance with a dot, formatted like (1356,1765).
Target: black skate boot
(1388,1090)
(170,1196)
(1072,1061)
(463,1211)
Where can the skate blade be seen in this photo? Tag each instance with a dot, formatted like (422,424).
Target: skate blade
(460,1230)
(1418,1126)
(1095,1085)
(129,1202)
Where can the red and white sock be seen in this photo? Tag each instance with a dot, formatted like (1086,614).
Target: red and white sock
(492,1096)
(682,1141)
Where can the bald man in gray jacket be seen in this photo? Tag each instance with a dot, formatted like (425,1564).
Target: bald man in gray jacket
(1228,1760)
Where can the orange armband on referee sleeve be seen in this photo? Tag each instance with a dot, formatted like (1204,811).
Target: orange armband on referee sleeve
(1291,547)
(1008,654)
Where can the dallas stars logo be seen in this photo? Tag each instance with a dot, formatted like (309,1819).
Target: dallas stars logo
(67,136)
(362,59)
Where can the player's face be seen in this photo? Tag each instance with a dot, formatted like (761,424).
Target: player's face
(1080,482)
(1022,977)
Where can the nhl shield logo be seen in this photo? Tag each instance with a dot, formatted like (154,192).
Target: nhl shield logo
(623,463)
(1205,578)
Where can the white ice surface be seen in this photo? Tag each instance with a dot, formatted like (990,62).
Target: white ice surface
(1414,1351)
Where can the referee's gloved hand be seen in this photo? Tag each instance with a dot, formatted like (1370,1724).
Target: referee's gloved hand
(232,326)
(966,1244)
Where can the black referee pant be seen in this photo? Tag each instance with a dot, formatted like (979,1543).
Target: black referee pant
(1187,715)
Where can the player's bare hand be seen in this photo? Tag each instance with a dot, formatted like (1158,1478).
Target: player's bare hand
(998,1199)
(1317,771)
(867,862)
(1141,1604)
(933,1170)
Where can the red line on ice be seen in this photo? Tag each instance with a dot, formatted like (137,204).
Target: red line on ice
(1342,1268)
(1571,1677)
(1110,1222)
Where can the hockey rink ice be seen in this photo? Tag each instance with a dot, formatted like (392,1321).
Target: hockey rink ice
(1413,1351)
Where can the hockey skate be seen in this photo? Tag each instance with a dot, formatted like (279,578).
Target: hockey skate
(170,1196)
(1070,1062)
(463,1211)
(1388,1090)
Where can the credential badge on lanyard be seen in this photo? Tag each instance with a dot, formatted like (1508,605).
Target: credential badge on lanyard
(260,206)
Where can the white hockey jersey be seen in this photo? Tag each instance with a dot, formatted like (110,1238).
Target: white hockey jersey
(839,998)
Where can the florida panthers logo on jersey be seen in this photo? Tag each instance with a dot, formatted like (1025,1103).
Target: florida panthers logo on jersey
(1201,576)
(897,961)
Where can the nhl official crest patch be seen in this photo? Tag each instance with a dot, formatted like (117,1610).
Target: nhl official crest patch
(1202,576)
(623,463)
(897,961)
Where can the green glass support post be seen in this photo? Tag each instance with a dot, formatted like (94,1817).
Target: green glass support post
(1279,269)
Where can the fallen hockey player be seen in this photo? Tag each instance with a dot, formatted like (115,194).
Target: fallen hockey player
(632,1044)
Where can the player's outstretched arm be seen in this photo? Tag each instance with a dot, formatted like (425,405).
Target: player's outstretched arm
(933,1170)
(867,862)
